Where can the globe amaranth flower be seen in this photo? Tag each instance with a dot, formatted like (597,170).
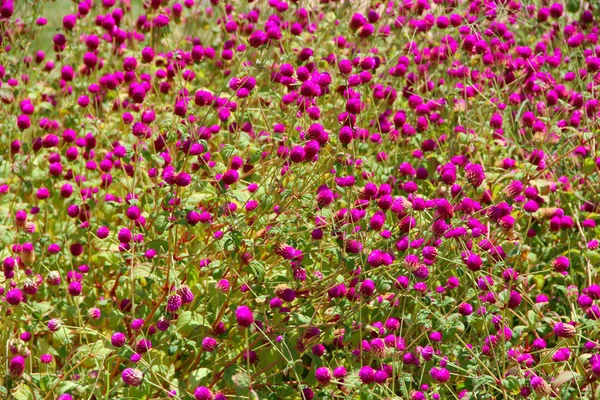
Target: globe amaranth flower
(440,375)
(367,287)
(174,302)
(137,324)
(186,294)
(162,324)
(230,177)
(465,309)
(285,293)
(14,297)
(540,386)
(94,313)
(323,375)
(143,345)
(243,316)
(561,264)
(203,393)
(209,344)
(118,339)
(563,330)
(46,358)
(340,373)
(132,376)
(562,354)
(54,324)
(161,20)
(75,288)
(595,364)
(366,374)
(257,38)
(16,366)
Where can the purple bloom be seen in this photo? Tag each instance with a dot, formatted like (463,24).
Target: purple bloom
(366,374)
(244,316)
(132,376)
(118,339)
(323,375)
(203,393)
(16,366)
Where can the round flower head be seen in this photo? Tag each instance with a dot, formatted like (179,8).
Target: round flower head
(475,174)
(133,213)
(366,374)
(137,324)
(118,339)
(132,376)
(174,302)
(46,358)
(161,20)
(230,177)
(16,366)
(562,354)
(340,372)
(203,393)
(244,316)
(209,344)
(186,294)
(257,38)
(595,364)
(564,330)
(540,386)
(75,288)
(367,287)
(561,264)
(323,375)
(440,374)
(14,297)
(143,345)
(53,278)
(94,313)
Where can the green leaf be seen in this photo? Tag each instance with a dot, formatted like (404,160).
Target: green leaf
(589,165)
(97,349)
(228,150)
(483,381)
(141,271)
(594,257)
(67,386)
(573,6)
(228,375)
(241,381)
(300,319)
(184,320)
(42,308)
(196,198)
(62,336)
(512,384)
(23,393)
(563,378)
(187,322)
(257,268)
(161,223)
(159,245)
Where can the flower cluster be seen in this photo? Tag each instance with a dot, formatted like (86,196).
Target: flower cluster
(293,199)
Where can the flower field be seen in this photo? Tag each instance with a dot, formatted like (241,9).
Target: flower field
(295,199)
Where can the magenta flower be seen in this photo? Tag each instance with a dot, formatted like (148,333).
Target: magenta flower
(16,366)
(244,316)
(203,393)
(132,376)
